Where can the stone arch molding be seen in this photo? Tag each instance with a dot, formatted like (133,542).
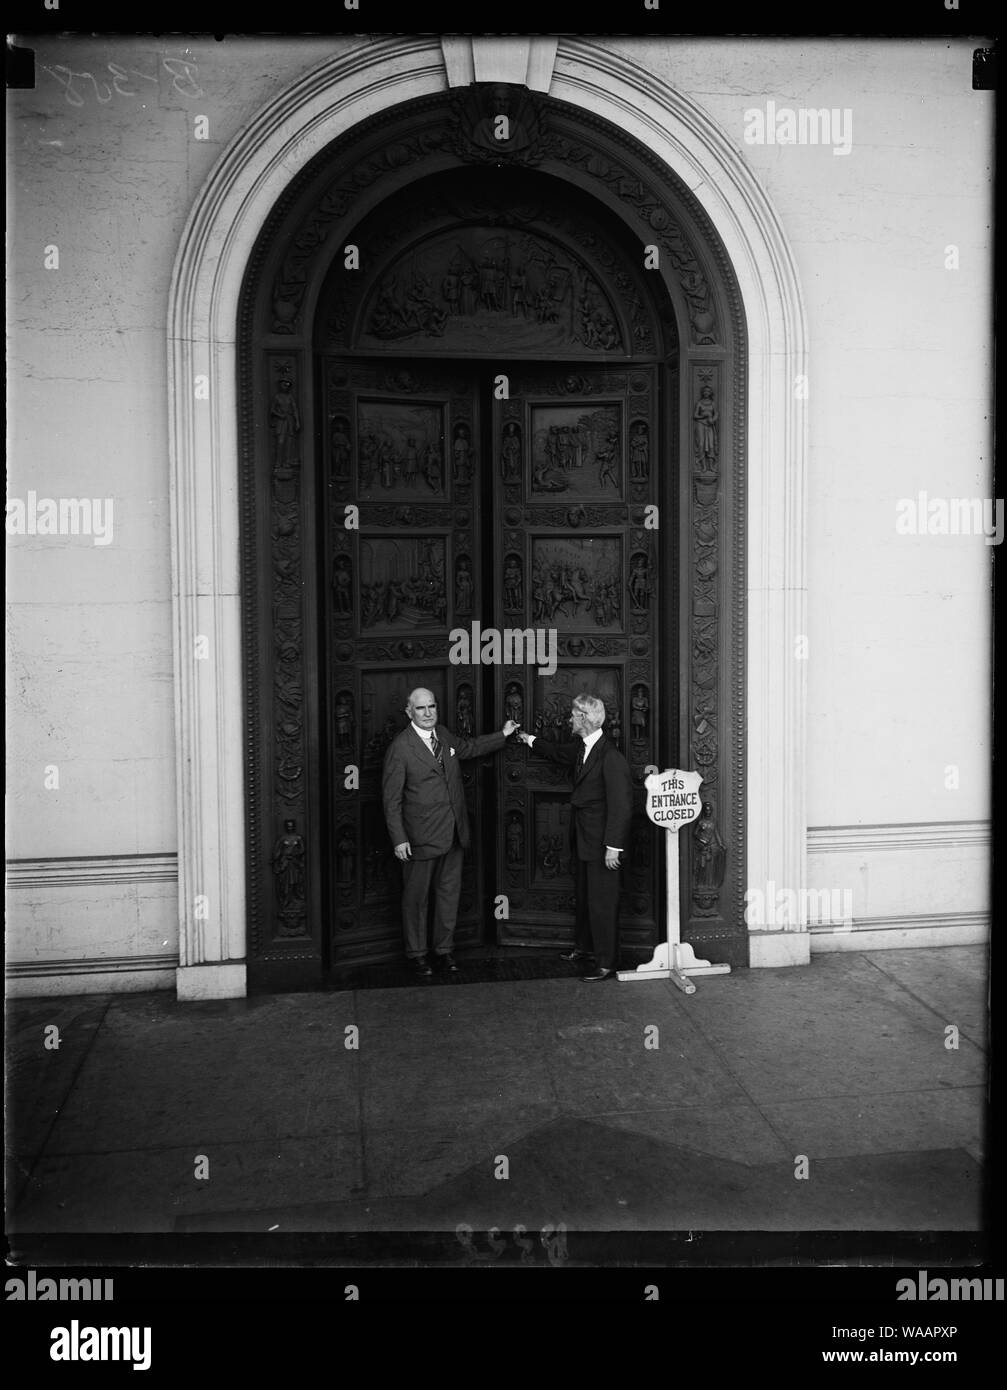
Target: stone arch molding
(215,248)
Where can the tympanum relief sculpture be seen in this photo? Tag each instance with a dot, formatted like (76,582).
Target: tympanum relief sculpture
(511,290)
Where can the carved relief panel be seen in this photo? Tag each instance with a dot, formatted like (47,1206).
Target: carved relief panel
(400,449)
(576,451)
(577,582)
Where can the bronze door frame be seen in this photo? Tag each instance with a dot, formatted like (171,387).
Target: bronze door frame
(693,296)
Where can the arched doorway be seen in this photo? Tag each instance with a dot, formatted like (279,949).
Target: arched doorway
(393,495)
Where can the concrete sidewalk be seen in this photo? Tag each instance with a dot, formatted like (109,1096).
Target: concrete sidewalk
(843,1061)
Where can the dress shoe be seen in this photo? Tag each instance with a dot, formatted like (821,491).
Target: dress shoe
(447,962)
(575,955)
(422,967)
(598,975)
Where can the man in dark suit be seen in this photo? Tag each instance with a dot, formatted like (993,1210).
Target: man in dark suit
(427,819)
(601,810)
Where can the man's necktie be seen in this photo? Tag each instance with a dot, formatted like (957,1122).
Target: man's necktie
(435,748)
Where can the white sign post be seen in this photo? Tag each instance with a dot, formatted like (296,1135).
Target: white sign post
(673,801)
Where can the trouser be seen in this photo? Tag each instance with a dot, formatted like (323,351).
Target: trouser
(597,925)
(419,877)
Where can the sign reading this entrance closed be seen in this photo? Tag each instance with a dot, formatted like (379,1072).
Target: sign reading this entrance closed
(673,798)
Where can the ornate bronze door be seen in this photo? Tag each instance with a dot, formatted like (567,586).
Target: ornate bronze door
(401,458)
(572,534)
(576,555)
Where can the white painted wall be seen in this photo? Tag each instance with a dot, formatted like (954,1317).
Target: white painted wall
(106,167)
(898,402)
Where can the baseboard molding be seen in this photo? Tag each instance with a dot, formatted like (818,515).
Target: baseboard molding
(31,979)
(847,839)
(22,969)
(892,932)
(91,870)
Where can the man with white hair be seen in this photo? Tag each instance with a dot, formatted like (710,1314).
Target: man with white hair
(427,819)
(601,811)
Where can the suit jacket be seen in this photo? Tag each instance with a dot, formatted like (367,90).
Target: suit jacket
(602,800)
(424,803)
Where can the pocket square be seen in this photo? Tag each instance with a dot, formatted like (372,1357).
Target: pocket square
(452,752)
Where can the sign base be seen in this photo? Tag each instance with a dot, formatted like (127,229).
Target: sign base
(645,973)
(674,961)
